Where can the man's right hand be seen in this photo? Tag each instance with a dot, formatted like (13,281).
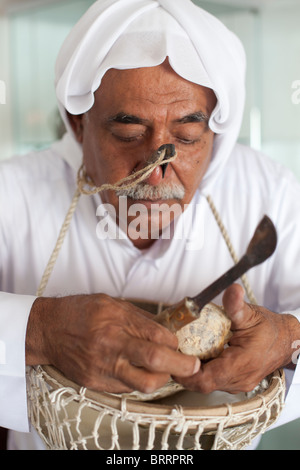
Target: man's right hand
(104,344)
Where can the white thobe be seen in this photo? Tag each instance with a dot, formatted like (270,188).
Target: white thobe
(35,193)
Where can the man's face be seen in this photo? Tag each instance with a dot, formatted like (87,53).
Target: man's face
(135,112)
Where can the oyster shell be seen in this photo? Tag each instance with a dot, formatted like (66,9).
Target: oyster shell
(206,336)
(201,334)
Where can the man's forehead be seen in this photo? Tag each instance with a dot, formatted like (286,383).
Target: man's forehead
(149,81)
(128,94)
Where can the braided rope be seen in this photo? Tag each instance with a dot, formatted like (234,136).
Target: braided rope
(126,183)
(59,243)
(72,418)
(234,256)
(82,182)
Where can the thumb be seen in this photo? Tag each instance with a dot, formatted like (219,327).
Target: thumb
(235,307)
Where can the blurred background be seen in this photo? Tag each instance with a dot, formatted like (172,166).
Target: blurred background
(32,31)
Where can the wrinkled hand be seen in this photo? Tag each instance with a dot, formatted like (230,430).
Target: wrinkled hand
(261,343)
(104,344)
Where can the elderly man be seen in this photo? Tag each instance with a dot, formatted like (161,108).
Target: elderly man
(132,76)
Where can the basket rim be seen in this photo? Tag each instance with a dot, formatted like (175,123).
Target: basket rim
(276,379)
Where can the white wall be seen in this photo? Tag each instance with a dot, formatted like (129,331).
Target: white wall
(6,146)
(30,39)
(271,37)
(280,69)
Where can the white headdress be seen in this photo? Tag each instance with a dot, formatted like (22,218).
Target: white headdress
(125,34)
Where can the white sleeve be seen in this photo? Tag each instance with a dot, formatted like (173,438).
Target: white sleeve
(14,313)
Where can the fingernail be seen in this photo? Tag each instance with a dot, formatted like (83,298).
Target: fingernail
(197,366)
(239,316)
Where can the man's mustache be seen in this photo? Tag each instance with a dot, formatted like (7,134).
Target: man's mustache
(145,191)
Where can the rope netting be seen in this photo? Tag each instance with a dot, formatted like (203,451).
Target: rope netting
(68,417)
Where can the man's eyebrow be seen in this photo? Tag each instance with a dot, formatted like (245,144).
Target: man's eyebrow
(198,116)
(127,119)
(124,118)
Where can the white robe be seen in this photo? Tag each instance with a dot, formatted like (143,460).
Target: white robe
(35,193)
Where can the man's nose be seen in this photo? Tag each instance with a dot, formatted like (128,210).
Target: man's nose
(166,151)
(156,177)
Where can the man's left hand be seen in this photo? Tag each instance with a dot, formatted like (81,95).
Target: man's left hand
(262,342)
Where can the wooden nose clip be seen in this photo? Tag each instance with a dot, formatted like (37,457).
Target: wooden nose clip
(169,153)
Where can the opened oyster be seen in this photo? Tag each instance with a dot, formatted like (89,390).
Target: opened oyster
(203,335)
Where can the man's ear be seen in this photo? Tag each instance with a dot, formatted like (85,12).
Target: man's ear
(77,125)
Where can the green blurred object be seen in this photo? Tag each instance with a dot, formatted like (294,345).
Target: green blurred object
(285,437)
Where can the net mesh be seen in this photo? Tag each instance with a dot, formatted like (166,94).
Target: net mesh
(72,418)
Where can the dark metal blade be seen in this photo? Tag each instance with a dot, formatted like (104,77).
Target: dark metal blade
(260,248)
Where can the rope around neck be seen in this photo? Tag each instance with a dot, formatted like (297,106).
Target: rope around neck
(232,252)
(83,182)
(125,183)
